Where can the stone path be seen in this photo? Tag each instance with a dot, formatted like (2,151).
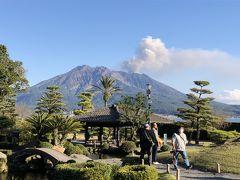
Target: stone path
(198,175)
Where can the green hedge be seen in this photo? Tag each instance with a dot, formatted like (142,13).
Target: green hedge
(128,146)
(44,144)
(83,171)
(7,145)
(137,172)
(220,136)
(75,149)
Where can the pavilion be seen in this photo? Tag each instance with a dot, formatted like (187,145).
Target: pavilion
(111,117)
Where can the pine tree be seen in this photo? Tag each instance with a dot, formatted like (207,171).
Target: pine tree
(12,81)
(85,103)
(200,113)
(51,102)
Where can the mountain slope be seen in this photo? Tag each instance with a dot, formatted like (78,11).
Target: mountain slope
(165,99)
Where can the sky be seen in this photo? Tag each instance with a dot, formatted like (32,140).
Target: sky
(174,42)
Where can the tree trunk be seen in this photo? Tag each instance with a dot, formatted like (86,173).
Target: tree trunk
(190,137)
(198,132)
(55,136)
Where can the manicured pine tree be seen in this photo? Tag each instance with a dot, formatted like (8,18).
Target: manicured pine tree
(51,102)
(85,103)
(199,113)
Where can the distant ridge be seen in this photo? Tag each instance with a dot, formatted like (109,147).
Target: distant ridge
(166,99)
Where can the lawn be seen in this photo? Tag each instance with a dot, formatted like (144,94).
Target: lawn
(206,158)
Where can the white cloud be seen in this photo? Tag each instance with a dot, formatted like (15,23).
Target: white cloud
(230,96)
(153,57)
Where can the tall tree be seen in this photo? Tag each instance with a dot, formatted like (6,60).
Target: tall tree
(107,87)
(51,102)
(199,113)
(85,103)
(133,109)
(12,81)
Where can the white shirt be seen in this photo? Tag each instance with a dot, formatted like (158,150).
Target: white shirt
(179,141)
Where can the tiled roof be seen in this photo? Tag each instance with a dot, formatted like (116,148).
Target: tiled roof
(161,119)
(110,114)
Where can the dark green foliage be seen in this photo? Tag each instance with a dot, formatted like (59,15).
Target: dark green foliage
(43,144)
(85,103)
(130,160)
(75,149)
(199,114)
(12,81)
(6,122)
(105,146)
(220,136)
(133,109)
(83,148)
(83,171)
(128,146)
(7,145)
(137,172)
(39,125)
(51,102)
(165,147)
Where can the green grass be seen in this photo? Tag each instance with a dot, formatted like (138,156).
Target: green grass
(166,176)
(206,158)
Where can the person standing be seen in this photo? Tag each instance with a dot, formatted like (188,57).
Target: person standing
(156,141)
(146,143)
(179,141)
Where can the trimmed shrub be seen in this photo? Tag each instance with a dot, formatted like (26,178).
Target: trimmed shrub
(137,172)
(83,149)
(71,149)
(130,160)
(45,145)
(84,171)
(165,148)
(220,136)
(105,146)
(128,146)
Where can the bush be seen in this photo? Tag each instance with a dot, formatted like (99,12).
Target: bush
(130,160)
(83,148)
(7,145)
(128,146)
(45,145)
(165,148)
(75,149)
(137,172)
(220,136)
(84,171)
(71,149)
(105,146)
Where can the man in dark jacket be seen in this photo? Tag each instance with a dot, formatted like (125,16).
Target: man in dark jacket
(146,143)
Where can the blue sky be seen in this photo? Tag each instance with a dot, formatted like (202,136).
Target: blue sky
(52,37)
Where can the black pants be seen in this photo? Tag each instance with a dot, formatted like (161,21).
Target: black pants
(144,149)
(154,153)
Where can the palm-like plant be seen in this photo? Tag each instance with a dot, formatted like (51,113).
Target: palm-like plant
(107,88)
(60,126)
(38,123)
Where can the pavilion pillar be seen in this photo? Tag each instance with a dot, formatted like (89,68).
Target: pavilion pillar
(126,133)
(114,132)
(101,135)
(118,136)
(86,134)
